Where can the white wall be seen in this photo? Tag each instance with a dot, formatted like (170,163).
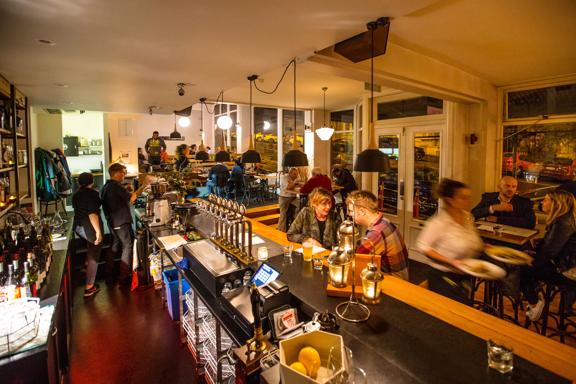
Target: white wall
(89,125)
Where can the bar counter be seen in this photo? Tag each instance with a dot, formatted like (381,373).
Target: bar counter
(413,335)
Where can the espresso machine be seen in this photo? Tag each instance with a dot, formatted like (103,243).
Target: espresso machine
(158,206)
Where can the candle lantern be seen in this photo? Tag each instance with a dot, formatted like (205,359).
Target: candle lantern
(371,284)
(338,266)
(347,233)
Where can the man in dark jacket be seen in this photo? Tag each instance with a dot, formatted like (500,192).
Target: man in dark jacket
(116,201)
(505,207)
(153,147)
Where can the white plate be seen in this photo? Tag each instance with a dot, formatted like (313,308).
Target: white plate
(482,269)
(508,255)
(56,235)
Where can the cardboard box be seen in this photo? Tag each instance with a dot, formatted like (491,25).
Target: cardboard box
(323,343)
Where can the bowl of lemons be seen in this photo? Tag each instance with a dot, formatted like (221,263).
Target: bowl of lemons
(315,357)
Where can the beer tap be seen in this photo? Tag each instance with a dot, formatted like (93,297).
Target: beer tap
(247,252)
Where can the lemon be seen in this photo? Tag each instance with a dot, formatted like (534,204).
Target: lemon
(298,366)
(311,360)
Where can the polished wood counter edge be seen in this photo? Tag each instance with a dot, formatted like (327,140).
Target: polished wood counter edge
(550,354)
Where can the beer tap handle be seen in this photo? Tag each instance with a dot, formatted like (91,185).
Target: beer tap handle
(249,224)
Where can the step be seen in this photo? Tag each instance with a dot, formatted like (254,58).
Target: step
(268,219)
(262,211)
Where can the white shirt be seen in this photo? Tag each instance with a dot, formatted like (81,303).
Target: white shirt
(450,239)
(284,181)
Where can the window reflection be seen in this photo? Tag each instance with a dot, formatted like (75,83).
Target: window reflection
(388,182)
(266,136)
(426,174)
(342,143)
(288,129)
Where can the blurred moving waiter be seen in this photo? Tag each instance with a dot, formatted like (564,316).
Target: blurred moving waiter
(153,147)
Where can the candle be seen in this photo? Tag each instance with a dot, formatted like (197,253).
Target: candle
(263,253)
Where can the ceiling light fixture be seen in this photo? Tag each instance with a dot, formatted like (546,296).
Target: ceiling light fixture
(251,156)
(181,90)
(372,159)
(184,121)
(152,108)
(324,132)
(223,122)
(45,42)
(295,157)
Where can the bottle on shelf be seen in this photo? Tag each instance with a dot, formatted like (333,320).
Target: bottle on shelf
(3,275)
(21,237)
(10,285)
(33,237)
(41,263)
(16,275)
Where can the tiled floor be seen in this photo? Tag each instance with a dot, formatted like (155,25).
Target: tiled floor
(126,337)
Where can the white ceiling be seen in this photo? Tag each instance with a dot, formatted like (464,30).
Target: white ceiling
(127,55)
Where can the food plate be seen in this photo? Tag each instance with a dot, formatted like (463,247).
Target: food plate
(508,255)
(482,269)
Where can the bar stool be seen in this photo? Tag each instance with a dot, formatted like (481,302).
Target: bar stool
(564,318)
(47,204)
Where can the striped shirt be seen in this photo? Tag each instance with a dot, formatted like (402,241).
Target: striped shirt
(387,243)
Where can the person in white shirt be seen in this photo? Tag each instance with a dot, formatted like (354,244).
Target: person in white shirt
(287,199)
(449,237)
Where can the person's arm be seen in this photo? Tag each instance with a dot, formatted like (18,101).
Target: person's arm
(162,144)
(307,187)
(147,146)
(426,240)
(366,244)
(482,209)
(95,221)
(295,232)
(134,195)
(524,215)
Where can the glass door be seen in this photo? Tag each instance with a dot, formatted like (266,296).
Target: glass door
(405,193)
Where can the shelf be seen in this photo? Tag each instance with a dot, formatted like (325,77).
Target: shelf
(6,209)
(23,166)
(21,135)
(5,132)
(24,196)
(7,169)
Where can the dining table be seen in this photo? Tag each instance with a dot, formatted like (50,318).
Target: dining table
(508,234)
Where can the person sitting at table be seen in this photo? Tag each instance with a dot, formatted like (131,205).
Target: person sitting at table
(163,156)
(141,157)
(506,207)
(382,236)
(449,237)
(217,177)
(318,180)
(202,155)
(555,254)
(287,198)
(236,178)
(192,150)
(318,222)
(344,178)
(181,157)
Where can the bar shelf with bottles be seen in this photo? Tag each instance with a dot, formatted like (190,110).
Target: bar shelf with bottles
(25,258)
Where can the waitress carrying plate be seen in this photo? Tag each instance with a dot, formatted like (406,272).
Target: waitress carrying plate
(508,255)
(482,269)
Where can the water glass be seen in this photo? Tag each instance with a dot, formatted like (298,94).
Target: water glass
(287,250)
(317,263)
(500,357)
(263,253)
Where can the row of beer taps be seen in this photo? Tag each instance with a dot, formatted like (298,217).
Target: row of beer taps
(230,226)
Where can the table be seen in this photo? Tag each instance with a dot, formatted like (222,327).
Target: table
(508,234)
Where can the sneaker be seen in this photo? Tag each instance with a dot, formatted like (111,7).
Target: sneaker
(533,312)
(91,291)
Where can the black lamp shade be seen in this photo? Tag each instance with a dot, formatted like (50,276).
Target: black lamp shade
(175,135)
(222,156)
(371,160)
(184,112)
(251,157)
(202,156)
(295,158)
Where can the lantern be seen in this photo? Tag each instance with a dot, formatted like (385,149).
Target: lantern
(338,266)
(371,284)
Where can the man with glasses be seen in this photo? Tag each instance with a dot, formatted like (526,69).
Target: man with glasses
(116,201)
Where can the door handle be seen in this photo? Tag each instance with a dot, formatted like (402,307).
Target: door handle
(401,191)
(55,331)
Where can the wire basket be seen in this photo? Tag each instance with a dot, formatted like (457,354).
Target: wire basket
(19,321)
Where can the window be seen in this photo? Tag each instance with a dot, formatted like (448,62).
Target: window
(557,100)
(288,129)
(419,106)
(342,143)
(266,136)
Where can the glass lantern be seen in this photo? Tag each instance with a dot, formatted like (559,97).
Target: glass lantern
(338,266)
(371,284)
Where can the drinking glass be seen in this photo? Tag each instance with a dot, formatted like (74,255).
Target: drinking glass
(287,250)
(500,357)
(317,263)
(263,253)
(307,247)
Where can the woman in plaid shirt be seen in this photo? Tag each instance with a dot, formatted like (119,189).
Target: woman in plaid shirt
(381,234)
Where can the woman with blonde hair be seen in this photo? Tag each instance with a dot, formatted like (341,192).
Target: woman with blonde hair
(556,253)
(318,222)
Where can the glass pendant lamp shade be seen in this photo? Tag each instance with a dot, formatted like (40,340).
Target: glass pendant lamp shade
(184,121)
(224,122)
(251,156)
(324,132)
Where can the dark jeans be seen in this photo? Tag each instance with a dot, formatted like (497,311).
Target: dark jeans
(124,241)
(154,160)
(452,285)
(92,256)
(545,272)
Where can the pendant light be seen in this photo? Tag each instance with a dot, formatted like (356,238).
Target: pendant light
(324,132)
(223,122)
(372,159)
(251,156)
(175,134)
(295,157)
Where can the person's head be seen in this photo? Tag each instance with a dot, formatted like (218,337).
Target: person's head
(317,171)
(362,205)
(208,148)
(181,150)
(336,171)
(321,202)
(454,194)
(293,172)
(508,186)
(557,203)
(117,171)
(139,150)
(86,180)
(155,134)
(193,147)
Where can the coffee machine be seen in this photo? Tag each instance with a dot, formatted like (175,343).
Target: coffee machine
(158,207)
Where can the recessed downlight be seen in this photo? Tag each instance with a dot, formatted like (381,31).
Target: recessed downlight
(45,42)
(61,85)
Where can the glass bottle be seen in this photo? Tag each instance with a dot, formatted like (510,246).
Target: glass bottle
(24,285)
(33,275)
(10,286)
(21,237)
(3,275)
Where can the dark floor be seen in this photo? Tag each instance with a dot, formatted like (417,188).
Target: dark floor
(125,337)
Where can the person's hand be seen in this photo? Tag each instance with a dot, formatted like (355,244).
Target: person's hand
(456,263)
(502,207)
(99,238)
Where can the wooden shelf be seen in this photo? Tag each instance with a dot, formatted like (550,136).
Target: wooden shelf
(5,132)
(21,135)
(23,166)
(24,196)
(7,169)
(6,209)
